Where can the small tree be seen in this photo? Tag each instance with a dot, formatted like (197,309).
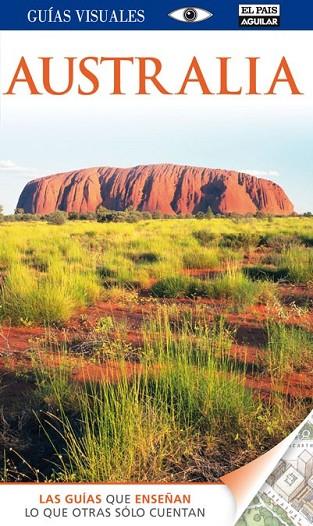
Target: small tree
(57,218)
(146,215)
(102,213)
(73,216)
(200,215)
(157,214)
(209,213)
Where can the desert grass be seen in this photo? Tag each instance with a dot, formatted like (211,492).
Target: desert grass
(49,271)
(298,261)
(53,297)
(45,281)
(288,348)
(233,285)
(137,253)
(186,402)
(242,291)
(151,425)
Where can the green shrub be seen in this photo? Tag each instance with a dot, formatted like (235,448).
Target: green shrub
(205,237)
(145,257)
(57,218)
(199,288)
(278,242)
(266,273)
(172,287)
(306,240)
(105,272)
(201,259)
(242,240)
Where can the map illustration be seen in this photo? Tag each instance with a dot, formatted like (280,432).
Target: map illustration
(286,499)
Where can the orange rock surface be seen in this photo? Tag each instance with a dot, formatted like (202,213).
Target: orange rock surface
(168,188)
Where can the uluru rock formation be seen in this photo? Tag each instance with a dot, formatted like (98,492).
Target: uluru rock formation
(167,188)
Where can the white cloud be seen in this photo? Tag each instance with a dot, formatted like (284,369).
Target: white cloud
(267,174)
(8,166)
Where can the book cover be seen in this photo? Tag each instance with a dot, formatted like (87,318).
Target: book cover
(156,263)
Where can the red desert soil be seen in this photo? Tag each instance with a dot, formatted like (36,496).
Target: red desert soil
(167,188)
(250,337)
(16,339)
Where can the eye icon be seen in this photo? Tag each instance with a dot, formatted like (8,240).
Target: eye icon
(190,14)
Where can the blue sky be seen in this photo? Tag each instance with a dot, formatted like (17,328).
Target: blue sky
(277,146)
